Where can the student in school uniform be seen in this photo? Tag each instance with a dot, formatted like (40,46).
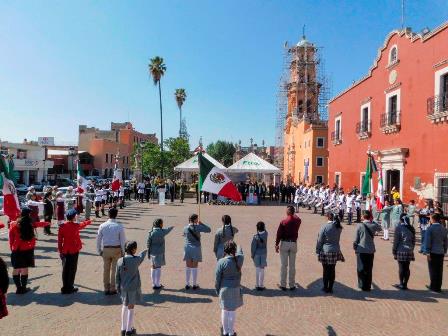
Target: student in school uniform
(328,250)
(48,212)
(129,285)
(4,284)
(69,245)
(385,219)
(192,249)
(403,250)
(98,201)
(350,204)
(228,286)
(22,241)
(436,246)
(104,197)
(223,235)
(259,253)
(121,196)
(424,219)
(395,214)
(60,208)
(364,247)
(156,251)
(411,211)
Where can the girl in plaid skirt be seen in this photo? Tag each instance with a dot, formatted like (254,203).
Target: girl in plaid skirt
(329,251)
(403,250)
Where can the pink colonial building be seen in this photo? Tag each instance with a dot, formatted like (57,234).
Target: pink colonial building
(400,111)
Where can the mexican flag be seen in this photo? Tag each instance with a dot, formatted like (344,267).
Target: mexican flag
(380,191)
(212,179)
(11,205)
(115,185)
(82,181)
(367,184)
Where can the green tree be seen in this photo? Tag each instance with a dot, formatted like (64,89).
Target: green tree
(222,151)
(156,70)
(180,95)
(177,150)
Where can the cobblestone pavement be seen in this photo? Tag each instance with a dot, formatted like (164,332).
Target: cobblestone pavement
(384,311)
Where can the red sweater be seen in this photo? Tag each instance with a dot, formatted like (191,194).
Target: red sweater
(288,229)
(69,241)
(17,244)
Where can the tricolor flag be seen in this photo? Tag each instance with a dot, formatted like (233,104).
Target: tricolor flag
(11,205)
(213,179)
(115,186)
(380,191)
(367,184)
(82,181)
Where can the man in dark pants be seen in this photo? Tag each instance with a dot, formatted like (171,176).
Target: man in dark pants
(69,245)
(435,248)
(364,246)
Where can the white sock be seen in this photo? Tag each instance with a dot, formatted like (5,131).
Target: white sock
(187,275)
(124,317)
(386,233)
(257,276)
(154,276)
(261,279)
(158,275)
(232,316)
(194,272)
(225,322)
(130,320)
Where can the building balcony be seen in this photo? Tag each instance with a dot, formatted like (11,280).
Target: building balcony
(336,138)
(437,108)
(390,122)
(363,129)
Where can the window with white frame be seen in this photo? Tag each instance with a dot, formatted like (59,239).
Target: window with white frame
(441,90)
(393,55)
(365,124)
(337,179)
(392,115)
(319,161)
(337,134)
(320,142)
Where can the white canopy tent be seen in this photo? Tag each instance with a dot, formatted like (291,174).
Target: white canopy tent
(192,164)
(252,163)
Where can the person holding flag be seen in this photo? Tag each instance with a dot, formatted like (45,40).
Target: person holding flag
(11,205)
(116,182)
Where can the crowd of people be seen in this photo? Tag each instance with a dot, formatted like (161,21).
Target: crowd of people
(121,261)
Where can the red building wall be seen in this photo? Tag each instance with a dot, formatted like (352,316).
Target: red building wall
(419,58)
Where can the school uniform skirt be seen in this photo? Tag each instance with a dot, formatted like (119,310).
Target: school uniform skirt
(330,258)
(22,259)
(230,298)
(405,256)
(193,253)
(131,297)
(158,260)
(260,260)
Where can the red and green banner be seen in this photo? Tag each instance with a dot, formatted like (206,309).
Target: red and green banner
(11,205)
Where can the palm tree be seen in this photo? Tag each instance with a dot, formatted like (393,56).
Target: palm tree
(157,69)
(180,95)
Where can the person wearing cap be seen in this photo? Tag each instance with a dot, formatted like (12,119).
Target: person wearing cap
(69,245)
(110,243)
(69,199)
(156,250)
(22,240)
(48,212)
(30,192)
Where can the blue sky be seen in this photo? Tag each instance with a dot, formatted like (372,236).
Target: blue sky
(65,63)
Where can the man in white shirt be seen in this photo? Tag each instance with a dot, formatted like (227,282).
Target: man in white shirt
(110,245)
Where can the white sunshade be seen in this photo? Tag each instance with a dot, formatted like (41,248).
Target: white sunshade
(192,164)
(252,163)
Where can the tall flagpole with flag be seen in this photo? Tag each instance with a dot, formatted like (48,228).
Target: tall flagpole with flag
(367,184)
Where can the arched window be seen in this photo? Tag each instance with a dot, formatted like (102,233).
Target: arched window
(393,55)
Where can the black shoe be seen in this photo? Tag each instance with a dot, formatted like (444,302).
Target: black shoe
(132,332)
(399,286)
(108,293)
(123,333)
(262,288)
(330,291)
(187,287)
(196,287)
(434,290)
(113,292)
(282,288)
(74,290)
(158,287)
(324,289)
(292,288)
(258,288)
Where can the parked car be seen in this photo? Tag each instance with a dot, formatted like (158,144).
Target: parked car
(21,189)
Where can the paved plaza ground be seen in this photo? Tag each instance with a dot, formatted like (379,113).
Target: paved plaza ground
(307,311)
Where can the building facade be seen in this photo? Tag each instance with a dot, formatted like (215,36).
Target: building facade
(106,145)
(30,161)
(399,112)
(305,135)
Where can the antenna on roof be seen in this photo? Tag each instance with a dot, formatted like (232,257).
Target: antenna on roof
(402,14)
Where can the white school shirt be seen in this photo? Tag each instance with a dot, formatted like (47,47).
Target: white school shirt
(121,192)
(349,200)
(98,195)
(104,195)
(141,188)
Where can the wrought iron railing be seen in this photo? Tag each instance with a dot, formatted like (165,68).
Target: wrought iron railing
(363,126)
(390,119)
(437,104)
